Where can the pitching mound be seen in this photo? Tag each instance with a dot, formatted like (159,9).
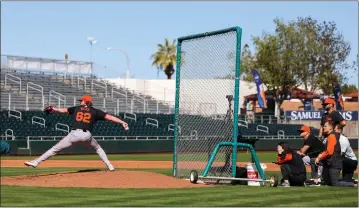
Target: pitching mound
(100,179)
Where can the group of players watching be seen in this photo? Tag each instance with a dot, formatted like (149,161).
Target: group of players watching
(327,155)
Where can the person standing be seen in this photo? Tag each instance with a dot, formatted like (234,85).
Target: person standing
(330,115)
(84,117)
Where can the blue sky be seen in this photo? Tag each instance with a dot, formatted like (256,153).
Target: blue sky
(50,29)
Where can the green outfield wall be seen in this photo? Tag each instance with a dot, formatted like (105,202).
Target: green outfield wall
(139,146)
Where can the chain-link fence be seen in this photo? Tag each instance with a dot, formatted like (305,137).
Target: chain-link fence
(206,87)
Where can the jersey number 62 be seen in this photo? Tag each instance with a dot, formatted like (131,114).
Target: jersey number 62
(84,117)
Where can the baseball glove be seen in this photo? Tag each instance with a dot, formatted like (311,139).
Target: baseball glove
(49,109)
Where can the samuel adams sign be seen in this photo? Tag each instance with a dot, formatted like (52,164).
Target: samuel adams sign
(317,115)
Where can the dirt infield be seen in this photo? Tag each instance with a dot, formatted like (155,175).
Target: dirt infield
(124,164)
(117,164)
(100,179)
(105,179)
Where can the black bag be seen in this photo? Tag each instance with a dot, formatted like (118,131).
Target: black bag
(241,172)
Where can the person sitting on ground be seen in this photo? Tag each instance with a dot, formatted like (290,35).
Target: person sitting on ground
(350,161)
(331,158)
(291,166)
(311,149)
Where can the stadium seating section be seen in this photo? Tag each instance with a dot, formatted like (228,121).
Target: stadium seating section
(152,119)
(145,125)
(25,127)
(72,87)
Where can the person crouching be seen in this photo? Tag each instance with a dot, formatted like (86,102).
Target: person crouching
(291,166)
(309,152)
(350,161)
(332,158)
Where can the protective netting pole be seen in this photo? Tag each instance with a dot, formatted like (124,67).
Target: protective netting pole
(207,97)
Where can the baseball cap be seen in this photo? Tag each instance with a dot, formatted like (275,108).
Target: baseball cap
(304,129)
(86,98)
(328,101)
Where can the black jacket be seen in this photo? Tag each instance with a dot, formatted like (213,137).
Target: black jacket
(295,162)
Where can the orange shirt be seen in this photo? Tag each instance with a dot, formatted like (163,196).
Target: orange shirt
(288,157)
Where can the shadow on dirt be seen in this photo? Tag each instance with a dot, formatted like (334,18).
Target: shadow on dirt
(88,170)
(65,173)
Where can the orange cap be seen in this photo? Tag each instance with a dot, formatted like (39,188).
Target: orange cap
(328,101)
(86,98)
(304,129)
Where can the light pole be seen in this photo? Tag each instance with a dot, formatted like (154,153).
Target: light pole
(92,41)
(127,59)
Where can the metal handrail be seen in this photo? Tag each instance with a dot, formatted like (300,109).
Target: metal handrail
(280,134)
(15,77)
(78,81)
(36,117)
(59,96)
(262,128)
(171,128)
(9,107)
(243,123)
(151,119)
(11,115)
(139,99)
(194,133)
(113,91)
(118,93)
(28,86)
(64,125)
(133,118)
(7,135)
(104,87)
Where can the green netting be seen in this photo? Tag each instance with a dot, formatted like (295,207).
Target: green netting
(206,101)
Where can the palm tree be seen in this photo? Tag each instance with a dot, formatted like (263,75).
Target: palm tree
(165,58)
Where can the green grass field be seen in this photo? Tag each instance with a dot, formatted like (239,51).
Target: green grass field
(218,196)
(221,195)
(264,157)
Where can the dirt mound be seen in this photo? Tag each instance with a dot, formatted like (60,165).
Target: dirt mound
(100,179)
